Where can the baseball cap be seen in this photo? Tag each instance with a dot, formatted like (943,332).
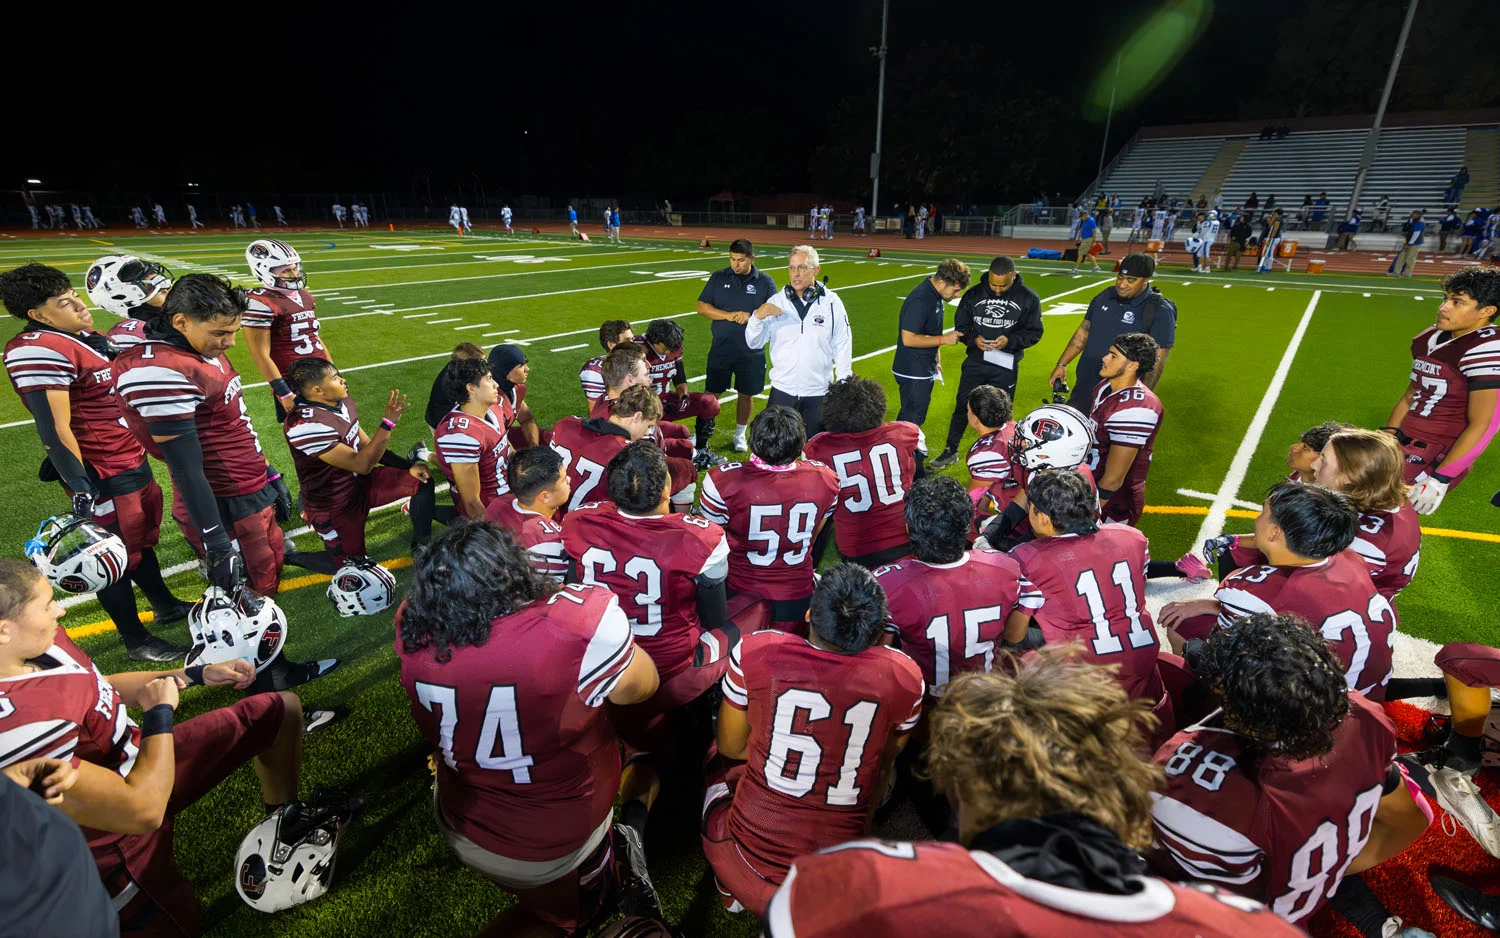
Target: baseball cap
(1138,265)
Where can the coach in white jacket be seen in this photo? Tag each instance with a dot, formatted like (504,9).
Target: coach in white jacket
(807,329)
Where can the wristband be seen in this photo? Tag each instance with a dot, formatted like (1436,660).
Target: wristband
(157,720)
(193,674)
(387,424)
(1446,480)
(1106,494)
(280,388)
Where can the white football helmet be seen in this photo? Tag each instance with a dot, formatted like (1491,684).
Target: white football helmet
(121,283)
(76,555)
(1194,244)
(361,587)
(223,629)
(287,859)
(1213,214)
(1054,436)
(266,255)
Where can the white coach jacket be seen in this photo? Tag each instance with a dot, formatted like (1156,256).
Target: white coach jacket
(806,354)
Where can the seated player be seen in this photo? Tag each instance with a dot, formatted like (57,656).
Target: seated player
(134,779)
(61,368)
(876,464)
(342,470)
(1291,784)
(472,447)
(438,401)
(818,723)
(1051,437)
(772,509)
(947,603)
(130,288)
(1305,532)
(538,488)
(1126,417)
(281,321)
(1303,453)
(1053,802)
(1366,466)
(612,332)
(662,344)
(1085,583)
(988,459)
(628,367)
(588,444)
(508,676)
(508,365)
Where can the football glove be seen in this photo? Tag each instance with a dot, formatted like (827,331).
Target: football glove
(1216,547)
(226,569)
(283,497)
(83,503)
(1427,492)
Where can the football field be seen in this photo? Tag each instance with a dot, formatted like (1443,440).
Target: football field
(1258,359)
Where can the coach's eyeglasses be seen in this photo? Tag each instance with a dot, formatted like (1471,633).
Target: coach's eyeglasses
(799,268)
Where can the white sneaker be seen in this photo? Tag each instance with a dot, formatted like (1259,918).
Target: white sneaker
(1460,798)
(741,445)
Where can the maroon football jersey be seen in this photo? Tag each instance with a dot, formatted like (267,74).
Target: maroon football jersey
(875,469)
(1091,589)
(950,616)
(530,761)
(591,376)
(293,321)
(1444,370)
(989,464)
(314,429)
(508,408)
(880,889)
(586,447)
(462,438)
(1391,544)
(127,332)
(1125,418)
(1275,830)
(819,721)
(651,563)
(67,711)
(661,369)
(161,382)
(48,360)
(538,535)
(770,514)
(1337,597)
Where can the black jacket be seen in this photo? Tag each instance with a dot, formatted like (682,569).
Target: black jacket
(1016,314)
(1240,232)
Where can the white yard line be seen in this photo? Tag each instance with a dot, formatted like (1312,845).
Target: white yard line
(570,348)
(1209,496)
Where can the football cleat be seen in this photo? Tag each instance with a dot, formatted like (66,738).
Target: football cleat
(288,858)
(266,256)
(121,283)
(1464,803)
(1053,436)
(637,893)
(76,555)
(1481,909)
(361,587)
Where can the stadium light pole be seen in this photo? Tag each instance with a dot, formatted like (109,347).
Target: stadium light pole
(885,14)
(1367,158)
(1108,119)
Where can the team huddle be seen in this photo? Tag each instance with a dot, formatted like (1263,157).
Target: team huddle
(612,613)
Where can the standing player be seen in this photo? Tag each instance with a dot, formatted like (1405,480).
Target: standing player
(612,332)
(508,678)
(1159,223)
(588,445)
(505,217)
(1208,232)
(62,371)
(662,345)
(181,398)
(728,299)
(472,447)
(1449,414)
(137,216)
(538,488)
(1086,584)
(827,222)
(840,701)
(1366,466)
(342,470)
(859,221)
(1287,787)
(193,217)
(1126,417)
(254,220)
(161,216)
(1067,766)
(454,220)
(876,464)
(130,288)
(338,214)
(92,222)
(281,321)
(1269,243)
(463,218)
(280,218)
(77,215)
(1305,532)
(772,508)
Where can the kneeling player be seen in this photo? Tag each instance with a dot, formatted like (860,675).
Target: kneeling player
(587,445)
(281,319)
(134,779)
(508,677)
(344,471)
(840,700)
(1046,757)
(662,344)
(471,443)
(538,488)
(612,332)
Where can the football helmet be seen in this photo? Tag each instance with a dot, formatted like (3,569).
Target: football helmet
(1054,436)
(1194,244)
(287,859)
(76,555)
(361,587)
(224,628)
(266,255)
(120,283)
(1213,214)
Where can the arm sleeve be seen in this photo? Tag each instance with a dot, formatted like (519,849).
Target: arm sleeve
(69,469)
(395,460)
(713,602)
(184,456)
(680,375)
(1030,332)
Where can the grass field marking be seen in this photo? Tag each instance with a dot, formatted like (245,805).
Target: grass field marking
(489,335)
(570,348)
(472,325)
(1208,497)
(434,322)
(1229,489)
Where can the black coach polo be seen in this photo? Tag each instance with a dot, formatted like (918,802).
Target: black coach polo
(732,293)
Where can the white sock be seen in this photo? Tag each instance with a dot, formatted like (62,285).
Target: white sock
(740,430)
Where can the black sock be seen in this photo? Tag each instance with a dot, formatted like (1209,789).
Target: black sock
(1400,688)
(421,510)
(1358,903)
(147,575)
(1470,748)
(703,429)
(1160,569)
(320,561)
(119,602)
(634,813)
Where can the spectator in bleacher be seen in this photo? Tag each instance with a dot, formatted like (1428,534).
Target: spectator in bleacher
(1382,213)
(1251,204)
(1239,236)
(1471,229)
(1320,208)
(1267,132)
(1449,224)
(1348,230)
(1455,191)
(1407,259)
(1218,201)
(1131,305)
(1304,212)
(1283,132)
(1270,203)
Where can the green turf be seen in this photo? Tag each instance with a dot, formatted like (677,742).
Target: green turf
(396,875)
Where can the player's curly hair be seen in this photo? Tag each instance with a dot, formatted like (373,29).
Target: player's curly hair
(848,609)
(667,332)
(939,513)
(1370,466)
(1317,437)
(202,297)
(30,286)
(1279,682)
(610,331)
(1066,497)
(777,435)
(637,477)
(1316,521)
(1140,348)
(991,406)
(462,373)
(468,576)
(637,399)
(853,405)
(953,271)
(1057,734)
(1481,283)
